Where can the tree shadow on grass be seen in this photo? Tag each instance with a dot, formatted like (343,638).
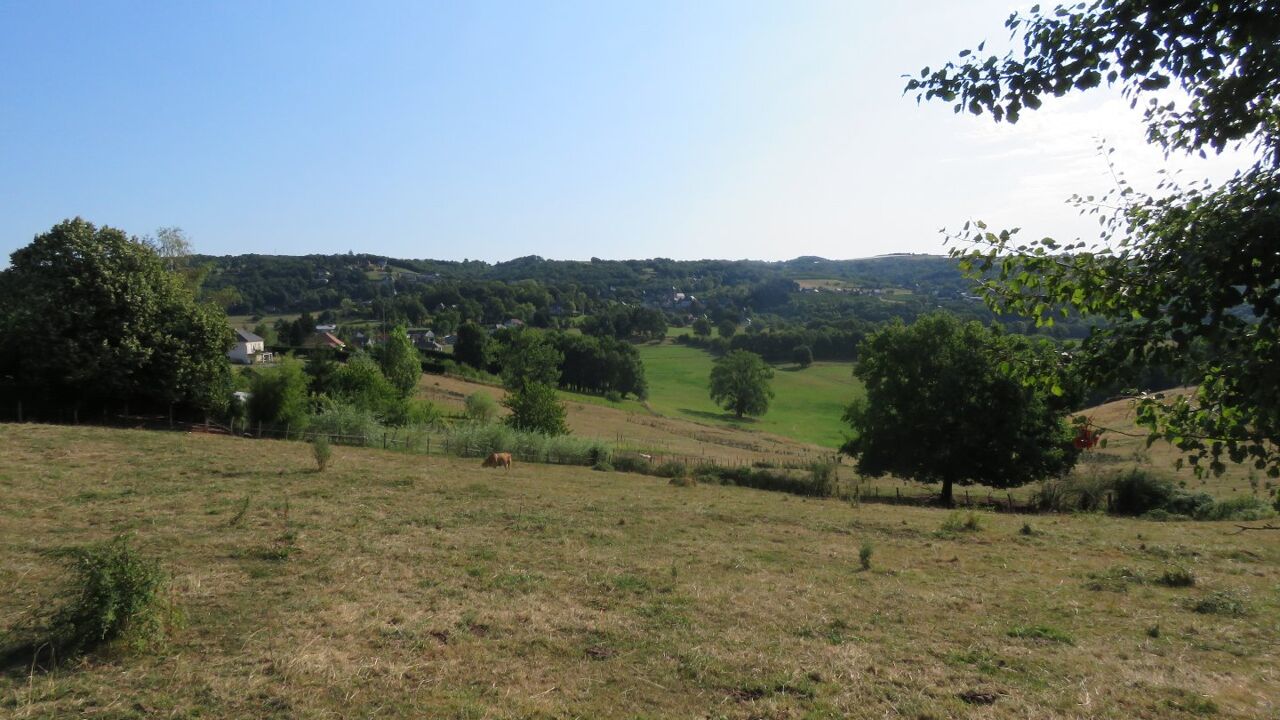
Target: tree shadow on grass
(718,417)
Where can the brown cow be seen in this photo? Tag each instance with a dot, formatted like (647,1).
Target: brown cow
(497,460)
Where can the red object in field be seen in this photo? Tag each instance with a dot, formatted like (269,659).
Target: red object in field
(1086,438)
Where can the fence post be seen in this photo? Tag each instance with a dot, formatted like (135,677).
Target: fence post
(19,411)
(259,429)
(384,440)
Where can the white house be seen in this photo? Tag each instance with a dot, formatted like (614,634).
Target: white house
(249,349)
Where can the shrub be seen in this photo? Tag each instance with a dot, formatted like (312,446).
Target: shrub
(1243,507)
(683,481)
(1138,492)
(321,450)
(1221,602)
(116,597)
(413,412)
(602,467)
(345,424)
(864,555)
(630,462)
(670,469)
(481,407)
(613,396)
(822,479)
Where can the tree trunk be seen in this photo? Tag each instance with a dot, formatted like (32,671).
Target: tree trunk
(947,499)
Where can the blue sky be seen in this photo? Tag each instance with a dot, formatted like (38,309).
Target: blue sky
(561,129)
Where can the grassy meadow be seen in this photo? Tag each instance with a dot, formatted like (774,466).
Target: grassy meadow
(400,586)
(807,405)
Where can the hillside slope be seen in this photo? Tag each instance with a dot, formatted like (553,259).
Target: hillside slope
(402,586)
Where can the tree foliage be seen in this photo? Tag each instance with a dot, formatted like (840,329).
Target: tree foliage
(90,316)
(400,362)
(1188,279)
(472,346)
(536,408)
(528,358)
(740,383)
(278,396)
(802,355)
(945,403)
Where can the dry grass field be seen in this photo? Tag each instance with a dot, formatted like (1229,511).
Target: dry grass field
(394,585)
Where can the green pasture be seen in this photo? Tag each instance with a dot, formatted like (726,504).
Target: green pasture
(807,404)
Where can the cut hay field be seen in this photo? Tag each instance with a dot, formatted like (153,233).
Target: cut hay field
(397,586)
(807,406)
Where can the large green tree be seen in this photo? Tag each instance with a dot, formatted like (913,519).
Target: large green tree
(536,408)
(528,358)
(740,383)
(472,346)
(90,318)
(400,361)
(946,403)
(1188,279)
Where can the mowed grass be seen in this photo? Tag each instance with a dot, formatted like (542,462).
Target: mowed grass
(807,406)
(401,586)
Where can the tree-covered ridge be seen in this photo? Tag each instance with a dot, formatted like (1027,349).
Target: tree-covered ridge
(268,283)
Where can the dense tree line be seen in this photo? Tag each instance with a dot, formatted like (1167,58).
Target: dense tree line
(600,365)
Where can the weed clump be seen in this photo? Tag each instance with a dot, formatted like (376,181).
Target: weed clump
(1176,577)
(1040,632)
(1231,603)
(116,596)
(864,555)
(955,523)
(322,452)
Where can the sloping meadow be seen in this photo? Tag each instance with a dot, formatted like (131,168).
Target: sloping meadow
(399,585)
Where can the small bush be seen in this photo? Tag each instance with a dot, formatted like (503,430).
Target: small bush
(116,597)
(1027,529)
(864,555)
(822,479)
(630,463)
(683,481)
(670,469)
(1231,603)
(613,396)
(1138,492)
(1176,577)
(602,466)
(345,424)
(322,452)
(1244,507)
(481,407)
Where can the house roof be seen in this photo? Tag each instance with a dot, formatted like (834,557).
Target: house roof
(246,336)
